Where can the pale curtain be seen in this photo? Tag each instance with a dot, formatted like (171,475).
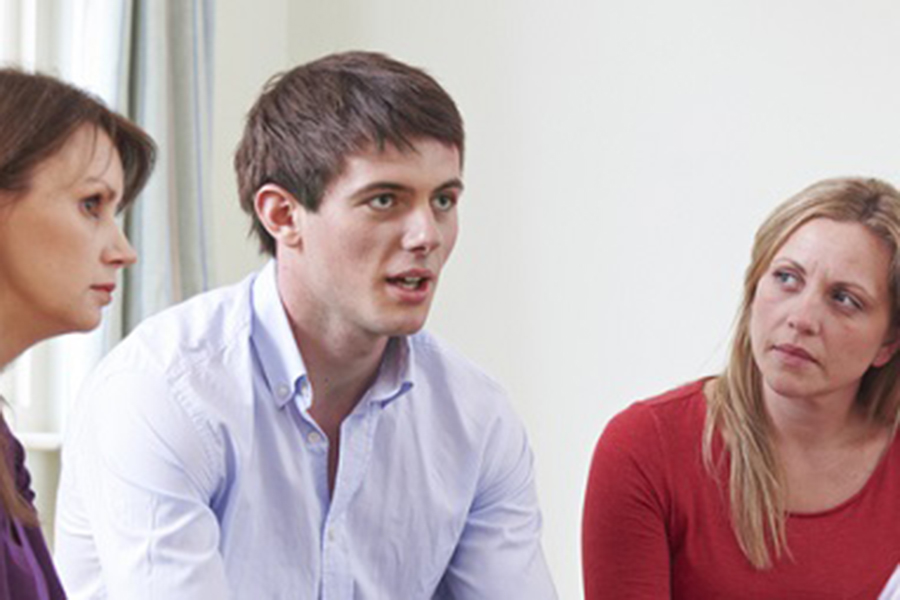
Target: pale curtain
(150,60)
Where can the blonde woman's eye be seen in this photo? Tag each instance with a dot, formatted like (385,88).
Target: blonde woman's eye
(845,299)
(785,278)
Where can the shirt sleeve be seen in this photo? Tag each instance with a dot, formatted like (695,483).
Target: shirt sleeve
(625,552)
(143,471)
(499,554)
(892,591)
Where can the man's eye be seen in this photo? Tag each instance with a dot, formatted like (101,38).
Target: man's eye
(382,202)
(444,202)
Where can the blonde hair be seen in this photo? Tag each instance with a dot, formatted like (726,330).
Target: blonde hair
(734,405)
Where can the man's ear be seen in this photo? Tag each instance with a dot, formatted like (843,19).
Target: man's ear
(280,213)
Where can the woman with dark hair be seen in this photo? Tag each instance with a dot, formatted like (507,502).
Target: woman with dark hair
(779,478)
(68,165)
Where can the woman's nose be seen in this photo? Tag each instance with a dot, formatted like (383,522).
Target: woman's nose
(805,315)
(120,251)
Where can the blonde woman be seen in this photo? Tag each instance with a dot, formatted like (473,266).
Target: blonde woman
(779,478)
(67,166)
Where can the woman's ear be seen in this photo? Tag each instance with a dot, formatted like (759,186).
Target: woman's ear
(888,349)
(280,213)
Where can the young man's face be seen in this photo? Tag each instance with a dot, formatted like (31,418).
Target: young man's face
(371,256)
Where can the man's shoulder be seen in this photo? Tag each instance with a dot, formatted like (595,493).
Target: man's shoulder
(436,358)
(190,363)
(206,326)
(457,386)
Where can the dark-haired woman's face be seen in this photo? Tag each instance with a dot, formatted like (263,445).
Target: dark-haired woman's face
(60,245)
(821,313)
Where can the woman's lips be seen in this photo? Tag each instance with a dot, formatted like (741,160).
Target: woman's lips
(794,353)
(105,290)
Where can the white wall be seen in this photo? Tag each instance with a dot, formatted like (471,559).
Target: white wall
(251,44)
(620,156)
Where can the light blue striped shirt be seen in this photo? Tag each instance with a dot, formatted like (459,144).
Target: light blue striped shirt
(892,591)
(193,470)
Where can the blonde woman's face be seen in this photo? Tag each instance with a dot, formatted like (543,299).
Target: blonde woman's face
(820,317)
(60,245)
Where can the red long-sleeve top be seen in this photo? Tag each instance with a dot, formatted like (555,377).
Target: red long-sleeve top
(657,523)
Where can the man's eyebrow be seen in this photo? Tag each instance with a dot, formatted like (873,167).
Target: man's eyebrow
(454,183)
(379,186)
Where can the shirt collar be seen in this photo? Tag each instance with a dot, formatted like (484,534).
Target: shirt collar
(279,359)
(394,376)
(281,362)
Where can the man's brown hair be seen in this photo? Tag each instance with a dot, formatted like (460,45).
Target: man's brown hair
(308,120)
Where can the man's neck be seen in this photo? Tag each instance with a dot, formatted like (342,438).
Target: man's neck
(341,359)
(339,371)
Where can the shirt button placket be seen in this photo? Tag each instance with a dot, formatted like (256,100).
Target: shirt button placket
(337,584)
(283,391)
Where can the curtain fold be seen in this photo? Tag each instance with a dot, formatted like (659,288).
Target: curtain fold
(170,83)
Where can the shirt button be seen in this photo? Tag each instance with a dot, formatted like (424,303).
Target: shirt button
(314,438)
(283,390)
(331,534)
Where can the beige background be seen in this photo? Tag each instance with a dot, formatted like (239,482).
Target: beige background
(620,156)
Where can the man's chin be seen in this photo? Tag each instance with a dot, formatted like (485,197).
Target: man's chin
(398,321)
(403,327)
(408,329)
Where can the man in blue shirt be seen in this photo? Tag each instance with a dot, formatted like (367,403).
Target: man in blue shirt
(892,591)
(297,435)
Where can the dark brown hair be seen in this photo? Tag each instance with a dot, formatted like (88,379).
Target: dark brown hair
(38,115)
(11,454)
(310,119)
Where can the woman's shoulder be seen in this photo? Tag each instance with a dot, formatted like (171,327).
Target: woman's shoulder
(653,448)
(680,410)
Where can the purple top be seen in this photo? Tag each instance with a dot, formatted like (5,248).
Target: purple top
(26,571)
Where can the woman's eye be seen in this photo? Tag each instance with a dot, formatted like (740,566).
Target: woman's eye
(444,202)
(785,278)
(382,202)
(91,205)
(845,299)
